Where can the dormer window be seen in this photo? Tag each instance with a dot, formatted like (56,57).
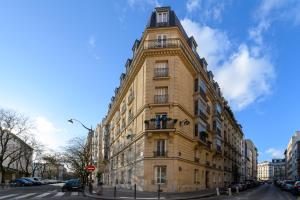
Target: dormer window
(162,17)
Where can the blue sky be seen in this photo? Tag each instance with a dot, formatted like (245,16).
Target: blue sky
(63,59)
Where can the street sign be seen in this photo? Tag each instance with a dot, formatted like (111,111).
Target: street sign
(90,168)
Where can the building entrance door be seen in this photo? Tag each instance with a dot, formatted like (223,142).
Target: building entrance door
(206,179)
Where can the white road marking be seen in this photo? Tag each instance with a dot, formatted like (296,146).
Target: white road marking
(42,195)
(74,194)
(57,184)
(24,196)
(59,194)
(7,196)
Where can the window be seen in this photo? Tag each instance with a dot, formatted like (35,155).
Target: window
(162,40)
(161,121)
(161,95)
(161,69)
(196,176)
(129,176)
(196,85)
(218,109)
(196,130)
(162,17)
(161,148)
(160,174)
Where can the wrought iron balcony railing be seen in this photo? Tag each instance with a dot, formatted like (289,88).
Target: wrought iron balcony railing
(154,124)
(165,43)
(161,72)
(161,99)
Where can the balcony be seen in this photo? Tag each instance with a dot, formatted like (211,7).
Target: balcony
(161,99)
(202,115)
(203,94)
(160,154)
(161,72)
(197,160)
(154,124)
(167,43)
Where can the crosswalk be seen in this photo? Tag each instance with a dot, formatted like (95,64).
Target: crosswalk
(32,195)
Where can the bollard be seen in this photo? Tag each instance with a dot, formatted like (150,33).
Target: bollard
(237,190)
(134,191)
(218,191)
(158,192)
(229,191)
(115,192)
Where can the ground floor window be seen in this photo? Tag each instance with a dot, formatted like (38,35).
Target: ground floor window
(160,174)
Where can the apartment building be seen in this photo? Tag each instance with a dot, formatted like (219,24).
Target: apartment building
(265,171)
(278,169)
(168,122)
(250,160)
(19,155)
(292,157)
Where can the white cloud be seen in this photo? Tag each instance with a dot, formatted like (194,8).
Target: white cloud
(244,75)
(192,5)
(92,42)
(48,134)
(244,78)
(212,43)
(208,9)
(274,153)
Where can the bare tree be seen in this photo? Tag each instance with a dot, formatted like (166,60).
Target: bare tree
(77,156)
(13,126)
(29,157)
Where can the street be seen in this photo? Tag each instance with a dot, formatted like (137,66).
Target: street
(263,192)
(39,192)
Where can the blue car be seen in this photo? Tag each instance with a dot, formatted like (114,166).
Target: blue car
(20,182)
(32,181)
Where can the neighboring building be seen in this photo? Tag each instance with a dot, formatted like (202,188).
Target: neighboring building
(265,171)
(50,171)
(168,122)
(19,155)
(293,157)
(274,170)
(250,160)
(278,169)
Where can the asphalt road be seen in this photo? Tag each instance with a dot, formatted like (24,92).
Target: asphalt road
(263,192)
(39,192)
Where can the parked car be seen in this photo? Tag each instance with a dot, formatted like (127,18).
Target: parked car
(43,182)
(296,189)
(234,186)
(288,185)
(20,182)
(72,185)
(32,181)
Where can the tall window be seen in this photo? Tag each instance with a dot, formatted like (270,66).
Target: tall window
(161,95)
(160,174)
(196,176)
(162,17)
(161,121)
(161,40)
(129,176)
(161,69)
(161,147)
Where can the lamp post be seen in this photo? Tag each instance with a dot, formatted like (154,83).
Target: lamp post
(91,133)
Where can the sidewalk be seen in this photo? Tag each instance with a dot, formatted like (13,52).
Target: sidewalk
(108,194)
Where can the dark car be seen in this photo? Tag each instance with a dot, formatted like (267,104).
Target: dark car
(20,182)
(72,185)
(288,185)
(296,188)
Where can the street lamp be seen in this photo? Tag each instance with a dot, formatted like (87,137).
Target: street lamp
(91,133)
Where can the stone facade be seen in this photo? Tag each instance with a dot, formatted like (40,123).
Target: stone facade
(168,122)
(292,157)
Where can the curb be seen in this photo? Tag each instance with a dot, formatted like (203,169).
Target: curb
(162,197)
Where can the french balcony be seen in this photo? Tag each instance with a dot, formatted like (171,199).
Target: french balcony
(161,72)
(160,153)
(154,124)
(202,115)
(161,99)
